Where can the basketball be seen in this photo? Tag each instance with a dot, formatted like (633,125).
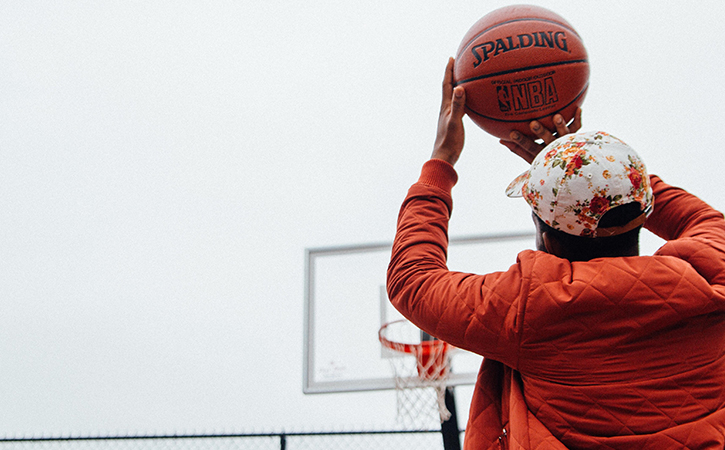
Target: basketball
(521,63)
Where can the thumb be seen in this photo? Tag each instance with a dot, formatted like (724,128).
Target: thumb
(458,102)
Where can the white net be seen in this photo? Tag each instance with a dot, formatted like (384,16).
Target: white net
(421,367)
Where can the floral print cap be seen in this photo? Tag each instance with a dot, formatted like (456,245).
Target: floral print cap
(577,178)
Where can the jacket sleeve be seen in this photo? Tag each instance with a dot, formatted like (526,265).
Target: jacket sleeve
(449,305)
(695,231)
(678,214)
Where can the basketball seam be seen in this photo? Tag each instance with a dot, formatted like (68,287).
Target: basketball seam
(469,110)
(521,69)
(536,19)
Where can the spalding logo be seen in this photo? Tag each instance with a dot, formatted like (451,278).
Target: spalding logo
(546,39)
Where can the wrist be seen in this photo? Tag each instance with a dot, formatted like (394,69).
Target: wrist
(451,157)
(439,173)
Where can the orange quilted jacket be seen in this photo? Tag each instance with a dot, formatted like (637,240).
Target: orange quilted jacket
(613,353)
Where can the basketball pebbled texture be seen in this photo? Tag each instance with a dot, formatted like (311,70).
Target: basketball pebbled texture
(521,63)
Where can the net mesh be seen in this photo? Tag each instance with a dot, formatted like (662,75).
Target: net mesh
(421,367)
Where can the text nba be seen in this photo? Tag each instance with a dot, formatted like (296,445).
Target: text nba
(545,39)
(527,96)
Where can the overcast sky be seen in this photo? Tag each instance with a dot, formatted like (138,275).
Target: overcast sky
(165,164)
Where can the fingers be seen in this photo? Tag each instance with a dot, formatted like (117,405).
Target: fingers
(450,136)
(522,146)
(560,124)
(516,150)
(576,123)
(541,132)
(525,142)
(528,148)
(458,103)
(561,127)
(447,84)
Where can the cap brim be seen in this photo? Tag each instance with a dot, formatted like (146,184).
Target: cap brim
(516,187)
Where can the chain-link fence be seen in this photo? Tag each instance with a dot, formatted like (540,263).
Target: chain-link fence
(353,440)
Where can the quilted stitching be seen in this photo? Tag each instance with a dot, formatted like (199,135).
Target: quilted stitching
(581,335)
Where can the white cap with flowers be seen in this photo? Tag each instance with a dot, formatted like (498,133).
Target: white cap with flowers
(577,178)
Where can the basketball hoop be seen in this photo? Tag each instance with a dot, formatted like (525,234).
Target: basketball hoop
(420,367)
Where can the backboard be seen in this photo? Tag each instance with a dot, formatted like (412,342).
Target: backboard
(346,304)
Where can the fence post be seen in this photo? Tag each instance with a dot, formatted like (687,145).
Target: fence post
(449,428)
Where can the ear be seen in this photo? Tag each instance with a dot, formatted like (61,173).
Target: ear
(552,246)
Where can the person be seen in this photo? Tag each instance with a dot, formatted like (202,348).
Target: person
(586,344)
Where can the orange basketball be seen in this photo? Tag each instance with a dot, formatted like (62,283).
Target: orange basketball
(518,64)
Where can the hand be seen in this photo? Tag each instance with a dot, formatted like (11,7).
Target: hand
(451,135)
(527,148)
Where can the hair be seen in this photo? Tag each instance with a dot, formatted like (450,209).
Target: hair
(581,248)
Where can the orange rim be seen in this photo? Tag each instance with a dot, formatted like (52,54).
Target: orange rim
(423,348)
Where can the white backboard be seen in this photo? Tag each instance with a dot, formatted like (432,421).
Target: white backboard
(346,304)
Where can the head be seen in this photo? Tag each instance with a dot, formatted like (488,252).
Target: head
(589,194)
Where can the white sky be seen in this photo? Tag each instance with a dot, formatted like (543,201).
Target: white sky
(164,164)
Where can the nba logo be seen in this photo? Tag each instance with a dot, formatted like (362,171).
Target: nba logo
(504,98)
